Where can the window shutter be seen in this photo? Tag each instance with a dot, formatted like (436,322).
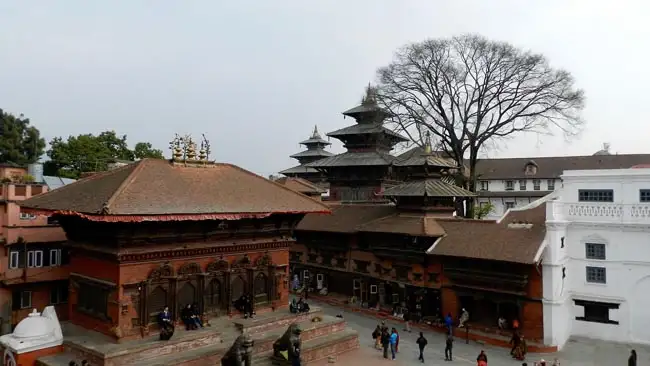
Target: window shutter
(65,257)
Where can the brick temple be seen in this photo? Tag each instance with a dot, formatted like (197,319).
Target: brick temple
(162,233)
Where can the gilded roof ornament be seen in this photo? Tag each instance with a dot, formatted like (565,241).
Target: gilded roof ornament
(184,149)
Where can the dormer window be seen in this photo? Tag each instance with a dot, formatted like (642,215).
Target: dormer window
(531,168)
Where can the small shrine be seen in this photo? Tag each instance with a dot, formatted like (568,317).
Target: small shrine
(36,336)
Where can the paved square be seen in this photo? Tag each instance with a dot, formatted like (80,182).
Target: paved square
(580,352)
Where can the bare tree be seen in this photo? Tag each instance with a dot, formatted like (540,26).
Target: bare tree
(469,92)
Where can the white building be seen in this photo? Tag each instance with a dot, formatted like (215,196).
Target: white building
(515,182)
(596,261)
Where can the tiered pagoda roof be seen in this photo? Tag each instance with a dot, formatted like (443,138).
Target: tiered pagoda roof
(315,151)
(368,142)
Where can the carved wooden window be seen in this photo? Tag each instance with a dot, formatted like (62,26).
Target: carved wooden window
(238,287)
(92,300)
(157,300)
(260,287)
(214,293)
(362,266)
(187,295)
(312,258)
(402,272)
(295,256)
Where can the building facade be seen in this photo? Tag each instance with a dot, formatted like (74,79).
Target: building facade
(158,233)
(34,265)
(516,182)
(596,264)
(414,253)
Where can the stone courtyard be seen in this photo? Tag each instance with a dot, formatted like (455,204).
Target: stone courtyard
(578,352)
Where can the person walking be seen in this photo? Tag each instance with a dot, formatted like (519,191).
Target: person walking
(449,322)
(393,342)
(376,335)
(449,344)
(481,360)
(422,342)
(407,321)
(385,341)
(631,361)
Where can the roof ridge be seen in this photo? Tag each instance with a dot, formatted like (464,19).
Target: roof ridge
(125,183)
(302,196)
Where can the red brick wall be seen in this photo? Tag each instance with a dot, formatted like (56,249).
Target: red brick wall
(95,268)
(40,299)
(532,320)
(99,269)
(136,272)
(535,288)
(29,358)
(450,303)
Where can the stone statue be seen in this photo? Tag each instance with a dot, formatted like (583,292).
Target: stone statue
(241,352)
(290,344)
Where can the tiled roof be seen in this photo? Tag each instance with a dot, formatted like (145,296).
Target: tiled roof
(299,169)
(547,167)
(344,218)
(366,128)
(354,159)
(478,239)
(484,239)
(428,187)
(157,187)
(300,185)
(426,159)
(313,152)
(413,224)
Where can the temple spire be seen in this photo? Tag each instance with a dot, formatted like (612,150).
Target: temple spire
(315,135)
(428,149)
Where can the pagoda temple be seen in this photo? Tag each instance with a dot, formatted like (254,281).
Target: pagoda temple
(362,172)
(419,254)
(173,234)
(315,151)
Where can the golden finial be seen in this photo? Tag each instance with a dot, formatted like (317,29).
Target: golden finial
(190,151)
(176,148)
(205,146)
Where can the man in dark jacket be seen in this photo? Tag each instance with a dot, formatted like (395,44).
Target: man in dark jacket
(449,344)
(385,340)
(631,361)
(422,342)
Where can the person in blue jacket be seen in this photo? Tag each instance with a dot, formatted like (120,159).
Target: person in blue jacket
(393,342)
(449,322)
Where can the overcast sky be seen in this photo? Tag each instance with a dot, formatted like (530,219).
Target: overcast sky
(256,76)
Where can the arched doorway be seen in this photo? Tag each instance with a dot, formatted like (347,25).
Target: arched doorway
(260,288)
(640,324)
(213,295)
(238,287)
(186,295)
(156,302)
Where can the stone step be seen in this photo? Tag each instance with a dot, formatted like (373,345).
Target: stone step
(329,345)
(263,348)
(275,320)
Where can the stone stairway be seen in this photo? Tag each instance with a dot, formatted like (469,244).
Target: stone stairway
(207,346)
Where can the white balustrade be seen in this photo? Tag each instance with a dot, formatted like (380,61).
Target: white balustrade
(606,212)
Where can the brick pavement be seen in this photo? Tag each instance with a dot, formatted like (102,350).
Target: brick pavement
(578,352)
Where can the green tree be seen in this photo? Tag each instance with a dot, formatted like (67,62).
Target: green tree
(145,150)
(90,153)
(20,143)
